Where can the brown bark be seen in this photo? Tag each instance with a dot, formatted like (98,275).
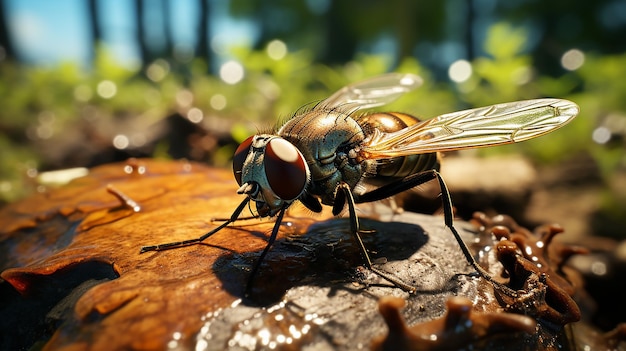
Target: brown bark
(74,252)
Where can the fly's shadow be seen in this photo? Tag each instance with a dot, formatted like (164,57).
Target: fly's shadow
(325,256)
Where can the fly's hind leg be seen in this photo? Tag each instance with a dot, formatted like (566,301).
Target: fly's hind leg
(423,177)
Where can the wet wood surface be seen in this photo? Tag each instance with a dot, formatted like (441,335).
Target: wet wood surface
(71,259)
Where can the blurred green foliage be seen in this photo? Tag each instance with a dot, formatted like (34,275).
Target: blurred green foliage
(41,106)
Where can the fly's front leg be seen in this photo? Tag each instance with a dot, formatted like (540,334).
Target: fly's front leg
(270,242)
(177,244)
(246,218)
(344,195)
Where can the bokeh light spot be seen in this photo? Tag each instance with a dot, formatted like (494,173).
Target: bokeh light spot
(572,59)
(195,115)
(120,142)
(83,93)
(218,102)
(601,135)
(460,71)
(184,98)
(157,70)
(231,72)
(106,89)
(276,49)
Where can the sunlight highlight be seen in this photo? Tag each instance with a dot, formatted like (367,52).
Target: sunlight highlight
(572,59)
(106,89)
(460,71)
(158,70)
(218,102)
(276,49)
(195,115)
(231,72)
(121,142)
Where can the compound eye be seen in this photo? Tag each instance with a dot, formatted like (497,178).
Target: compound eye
(240,157)
(285,169)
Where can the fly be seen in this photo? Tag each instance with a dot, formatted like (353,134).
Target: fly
(331,155)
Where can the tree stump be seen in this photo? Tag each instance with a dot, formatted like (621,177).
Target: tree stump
(74,278)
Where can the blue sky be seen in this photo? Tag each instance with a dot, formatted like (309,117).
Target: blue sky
(46,31)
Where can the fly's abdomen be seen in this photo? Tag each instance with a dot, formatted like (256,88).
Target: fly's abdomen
(400,167)
(397,167)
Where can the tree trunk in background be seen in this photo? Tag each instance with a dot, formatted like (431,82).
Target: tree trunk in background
(405,13)
(167,28)
(202,46)
(470,14)
(7,51)
(340,40)
(141,33)
(96,31)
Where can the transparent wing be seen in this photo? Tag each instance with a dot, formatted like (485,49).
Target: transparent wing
(486,126)
(372,92)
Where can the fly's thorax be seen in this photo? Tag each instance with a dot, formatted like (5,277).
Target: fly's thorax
(327,139)
(322,136)
(271,171)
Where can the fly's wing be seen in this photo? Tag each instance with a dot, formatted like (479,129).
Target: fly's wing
(372,92)
(486,126)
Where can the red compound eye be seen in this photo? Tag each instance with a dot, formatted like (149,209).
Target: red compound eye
(240,157)
(285,169)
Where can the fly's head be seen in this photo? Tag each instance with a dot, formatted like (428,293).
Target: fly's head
(271,171)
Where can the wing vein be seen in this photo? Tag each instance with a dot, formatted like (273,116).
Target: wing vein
(480,127)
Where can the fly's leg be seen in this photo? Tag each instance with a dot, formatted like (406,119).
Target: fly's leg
(259,260)
(448,220)
(177,244)
(345,195)
(233,218)
(423,177)
(238,218)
